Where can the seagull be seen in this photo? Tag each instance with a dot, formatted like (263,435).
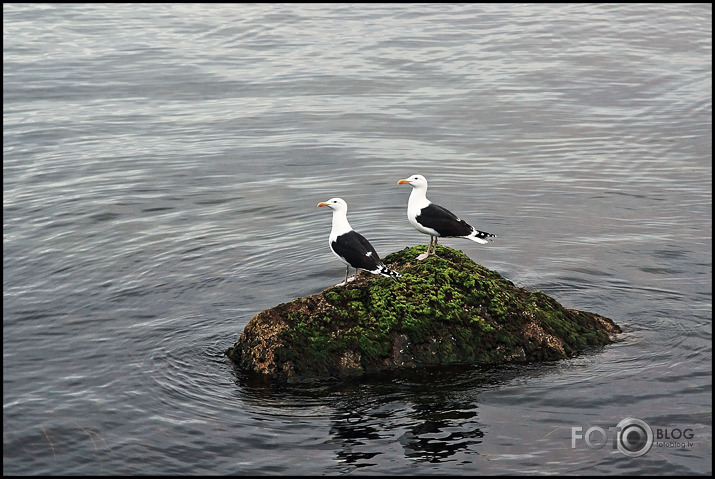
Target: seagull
(350,246)
(434,220)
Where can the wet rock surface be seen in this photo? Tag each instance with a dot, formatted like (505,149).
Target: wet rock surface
(444,310)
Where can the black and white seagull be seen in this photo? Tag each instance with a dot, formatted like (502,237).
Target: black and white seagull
(434,220)
(350,246)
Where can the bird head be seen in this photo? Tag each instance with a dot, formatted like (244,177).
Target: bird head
(414,181)
(335,204)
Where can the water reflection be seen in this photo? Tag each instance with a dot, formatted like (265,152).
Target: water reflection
(352,430)
(435,440)
(430,415)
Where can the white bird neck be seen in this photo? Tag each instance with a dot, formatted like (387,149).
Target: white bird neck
(418,197)
(340,223)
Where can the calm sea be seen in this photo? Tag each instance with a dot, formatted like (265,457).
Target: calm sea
(162,164)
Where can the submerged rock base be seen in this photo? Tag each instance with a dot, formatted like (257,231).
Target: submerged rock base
(443,310)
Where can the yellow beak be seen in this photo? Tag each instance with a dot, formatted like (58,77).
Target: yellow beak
(322,203)
(403,182)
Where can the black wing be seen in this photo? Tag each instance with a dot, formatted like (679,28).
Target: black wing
(443,221)
(357,251)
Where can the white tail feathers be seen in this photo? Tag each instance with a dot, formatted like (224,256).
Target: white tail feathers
(480,236)
(385,271)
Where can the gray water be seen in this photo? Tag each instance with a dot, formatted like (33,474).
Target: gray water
(161,170)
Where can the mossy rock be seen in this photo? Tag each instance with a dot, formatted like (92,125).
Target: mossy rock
(443,310)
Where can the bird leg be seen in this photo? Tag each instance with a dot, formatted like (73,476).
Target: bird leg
(347,271)
(427,253)
(348,278)
(353,277)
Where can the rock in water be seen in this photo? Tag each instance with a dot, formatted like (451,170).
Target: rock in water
(444,310)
